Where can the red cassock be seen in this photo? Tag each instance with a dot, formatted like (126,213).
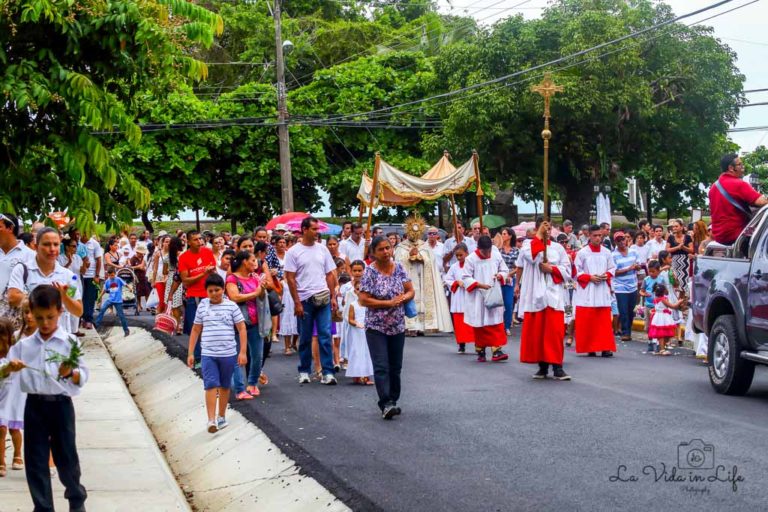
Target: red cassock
(542,337)
(593,330)
(490,336)
(464,333)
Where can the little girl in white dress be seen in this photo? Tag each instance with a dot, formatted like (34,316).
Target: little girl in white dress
(360,367)
(663,323)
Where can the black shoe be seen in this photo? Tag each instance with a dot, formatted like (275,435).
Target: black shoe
(541,374)
(398,411)
(607,353)
(591,354)
(389,412)
(336,368)
(481,357)
(559,374)
(462,348)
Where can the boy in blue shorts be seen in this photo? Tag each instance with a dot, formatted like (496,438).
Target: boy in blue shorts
(113,287)
(215,322)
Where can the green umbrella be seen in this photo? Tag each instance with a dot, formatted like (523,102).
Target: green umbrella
(491,221)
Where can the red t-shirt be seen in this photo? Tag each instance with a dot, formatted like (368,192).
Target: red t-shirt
(194,264)
(727,221)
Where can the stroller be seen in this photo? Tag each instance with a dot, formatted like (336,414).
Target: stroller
(129,290)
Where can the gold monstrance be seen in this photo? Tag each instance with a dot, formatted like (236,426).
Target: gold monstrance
(546,88)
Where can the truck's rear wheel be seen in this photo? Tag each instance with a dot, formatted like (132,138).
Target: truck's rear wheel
(729,373)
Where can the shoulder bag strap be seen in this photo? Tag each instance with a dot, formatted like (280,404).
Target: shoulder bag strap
(728,197)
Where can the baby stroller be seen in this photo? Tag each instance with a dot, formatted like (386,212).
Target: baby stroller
(129,290)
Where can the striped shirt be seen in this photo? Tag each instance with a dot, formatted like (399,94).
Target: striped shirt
(627,282)
(218,321)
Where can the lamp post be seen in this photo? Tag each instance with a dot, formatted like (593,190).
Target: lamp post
(286,179)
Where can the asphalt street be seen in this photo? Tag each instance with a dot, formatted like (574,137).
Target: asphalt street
(486,437)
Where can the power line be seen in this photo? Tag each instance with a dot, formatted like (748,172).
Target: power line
(745,105)
(748,129)
(755,90)
(546,64)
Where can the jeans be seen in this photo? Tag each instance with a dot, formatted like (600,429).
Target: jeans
(239,375)
(508,293)
(321,316)
(255,354)
(49,428)
(90,291)
(387,357)
(118,310)
(626,303)
(190,310)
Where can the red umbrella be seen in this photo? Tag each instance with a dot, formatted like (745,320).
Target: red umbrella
(285,218)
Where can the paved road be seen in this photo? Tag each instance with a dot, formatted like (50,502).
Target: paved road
(487,437)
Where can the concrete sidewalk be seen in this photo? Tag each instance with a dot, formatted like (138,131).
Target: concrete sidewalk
(123,469)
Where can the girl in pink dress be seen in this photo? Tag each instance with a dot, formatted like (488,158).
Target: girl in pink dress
(663,324)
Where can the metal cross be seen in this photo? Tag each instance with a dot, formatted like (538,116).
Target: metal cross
(547,89)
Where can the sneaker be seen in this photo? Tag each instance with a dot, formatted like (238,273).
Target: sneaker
(499,355)
(221,423)
(559,374)
(244,395)
(650,349)
(481,357)
(198,365)
(212,427)
(607,353)
(462,348)
(127,333)
(337,368)
(329,380)
(508,332)
(304,378)
(541,374)
(389,412)
(398,411)
(592,354)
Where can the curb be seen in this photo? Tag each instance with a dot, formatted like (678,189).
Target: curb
(239,468)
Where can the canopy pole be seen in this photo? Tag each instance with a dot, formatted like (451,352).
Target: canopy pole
(455,220)
(479,192)
(373,196)
(362,209)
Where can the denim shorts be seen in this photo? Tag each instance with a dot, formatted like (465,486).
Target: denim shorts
(217,371)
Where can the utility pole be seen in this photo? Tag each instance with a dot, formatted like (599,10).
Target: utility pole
(286,180)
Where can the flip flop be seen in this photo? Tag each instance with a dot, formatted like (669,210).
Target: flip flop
(18,463)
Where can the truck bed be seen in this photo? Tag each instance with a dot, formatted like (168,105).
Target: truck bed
(718,276)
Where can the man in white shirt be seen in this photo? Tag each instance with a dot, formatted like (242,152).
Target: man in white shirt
(12,250)
(310,274)
(354,246)
(436,246)
(449,247)
(95,255)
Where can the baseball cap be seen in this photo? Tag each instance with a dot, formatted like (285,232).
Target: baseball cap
(618,234)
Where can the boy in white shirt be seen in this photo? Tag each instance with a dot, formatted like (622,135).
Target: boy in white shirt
(215,322)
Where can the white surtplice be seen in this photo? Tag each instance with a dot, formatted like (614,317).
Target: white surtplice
(480,270)
(590,262)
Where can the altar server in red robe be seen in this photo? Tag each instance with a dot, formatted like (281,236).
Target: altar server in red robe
(454,281)
(592,298)
(542,300)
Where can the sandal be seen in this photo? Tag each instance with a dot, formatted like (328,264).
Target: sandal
(665,353)
(244,395)
(18,464)
(263,379)
(288,352)
(253,390)
(368,381)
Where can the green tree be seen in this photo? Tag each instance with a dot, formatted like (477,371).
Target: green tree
(70,69)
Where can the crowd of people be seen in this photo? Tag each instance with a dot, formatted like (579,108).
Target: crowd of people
(344,304)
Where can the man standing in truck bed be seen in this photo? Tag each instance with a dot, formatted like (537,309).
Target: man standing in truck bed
(730,198)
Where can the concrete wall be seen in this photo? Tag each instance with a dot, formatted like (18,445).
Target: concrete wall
(238,468)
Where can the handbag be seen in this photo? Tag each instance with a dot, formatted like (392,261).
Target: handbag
(410,309)
(165,322)
(265,318)
(153,300)
(6,310)
(492,298)
(275,304)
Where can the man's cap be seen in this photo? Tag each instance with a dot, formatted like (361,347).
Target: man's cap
(618,234)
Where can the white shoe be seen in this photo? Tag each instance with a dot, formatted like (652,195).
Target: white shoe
(212,427)
(221,423)
(304,378)
(329,380)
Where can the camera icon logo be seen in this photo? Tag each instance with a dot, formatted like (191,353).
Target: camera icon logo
(695,454)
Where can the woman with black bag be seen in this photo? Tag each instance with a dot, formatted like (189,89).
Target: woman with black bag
(243,288)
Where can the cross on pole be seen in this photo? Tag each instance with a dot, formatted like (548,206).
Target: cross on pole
(547,89)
